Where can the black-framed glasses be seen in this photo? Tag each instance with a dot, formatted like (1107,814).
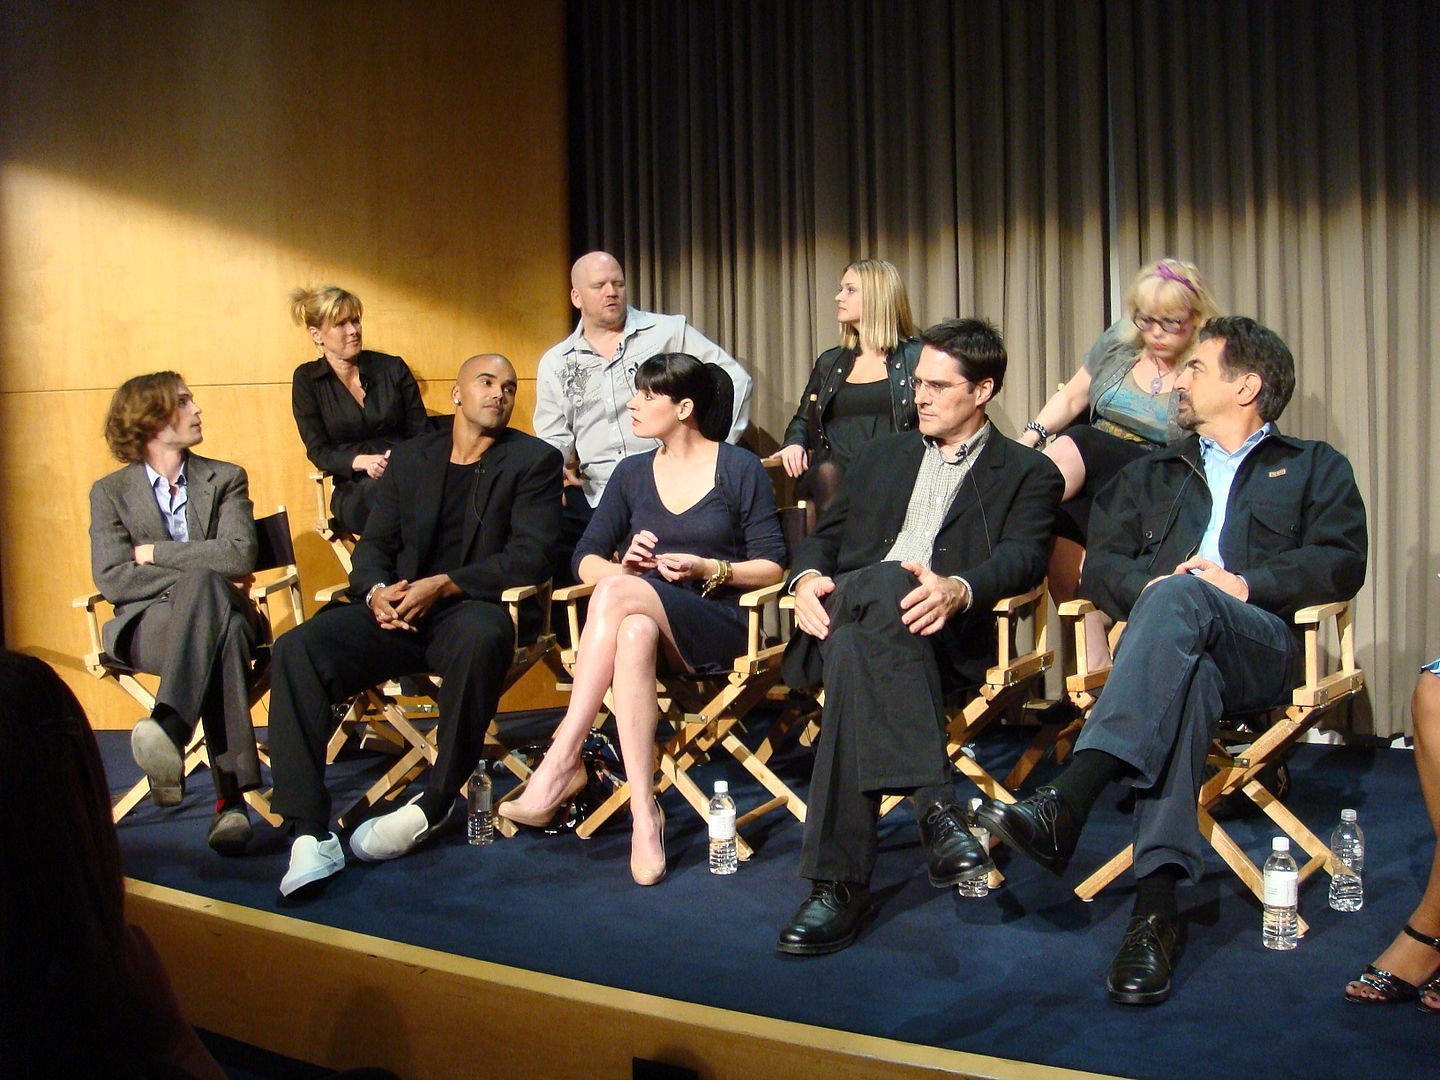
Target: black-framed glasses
(1171,326)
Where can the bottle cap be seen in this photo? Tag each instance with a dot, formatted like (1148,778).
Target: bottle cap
(976,803)
(1280,843)
(722,787)
(1347,815)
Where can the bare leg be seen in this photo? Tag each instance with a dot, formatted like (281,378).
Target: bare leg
(1067,560)
(1066,456)
(1407,958)
(614,600)
(637,712)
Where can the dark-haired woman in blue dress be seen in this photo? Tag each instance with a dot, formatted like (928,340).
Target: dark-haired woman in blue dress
(693,524)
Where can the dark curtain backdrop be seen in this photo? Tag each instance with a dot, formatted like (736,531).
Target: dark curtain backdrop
(1020,161)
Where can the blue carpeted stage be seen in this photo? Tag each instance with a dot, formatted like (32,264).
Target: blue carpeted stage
(1017,976)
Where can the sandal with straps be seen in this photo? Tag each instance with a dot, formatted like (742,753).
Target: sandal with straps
(1430,986)
(1391,988)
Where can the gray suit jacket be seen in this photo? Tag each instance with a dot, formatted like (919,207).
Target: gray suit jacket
(123,515)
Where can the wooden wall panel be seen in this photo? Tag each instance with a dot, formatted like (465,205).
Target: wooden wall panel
(169,171)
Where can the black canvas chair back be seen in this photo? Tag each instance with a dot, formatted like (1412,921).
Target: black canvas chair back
(275,546)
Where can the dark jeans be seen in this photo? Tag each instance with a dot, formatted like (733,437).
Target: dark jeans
(342,650)
(1189,655)
(884,723)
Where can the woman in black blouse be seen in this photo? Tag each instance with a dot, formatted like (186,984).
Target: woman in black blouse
(351,405)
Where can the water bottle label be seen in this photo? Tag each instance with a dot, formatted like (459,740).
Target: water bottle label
(1281,888)
(722,824)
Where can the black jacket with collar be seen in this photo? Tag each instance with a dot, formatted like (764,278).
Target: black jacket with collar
(507,539)
(1294,529)
(995,534)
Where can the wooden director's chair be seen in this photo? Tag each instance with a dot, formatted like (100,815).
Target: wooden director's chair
(341,543)
(275,560)
(1329,679)
(392,724)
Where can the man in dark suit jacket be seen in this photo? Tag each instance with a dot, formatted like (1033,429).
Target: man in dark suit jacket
(893,593)
(170,535)
(458,517)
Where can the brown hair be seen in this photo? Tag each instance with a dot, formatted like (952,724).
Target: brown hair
(139,408)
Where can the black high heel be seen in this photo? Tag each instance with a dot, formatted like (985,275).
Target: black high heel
(1391,988)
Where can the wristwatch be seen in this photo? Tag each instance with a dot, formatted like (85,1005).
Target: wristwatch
(369,596)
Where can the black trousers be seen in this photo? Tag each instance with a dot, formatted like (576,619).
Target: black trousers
(884,723)
(343,650)
(200,640)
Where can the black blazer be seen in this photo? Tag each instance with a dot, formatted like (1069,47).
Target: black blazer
(518,495)
(995,535)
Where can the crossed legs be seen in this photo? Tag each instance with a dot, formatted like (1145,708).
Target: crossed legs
(625,630)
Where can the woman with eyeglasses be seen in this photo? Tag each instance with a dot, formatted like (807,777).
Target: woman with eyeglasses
(1125,387)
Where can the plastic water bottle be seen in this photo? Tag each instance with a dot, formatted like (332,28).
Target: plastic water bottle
(721,817)
(480,821)
(976,888)
(1282,879)
(1347,843)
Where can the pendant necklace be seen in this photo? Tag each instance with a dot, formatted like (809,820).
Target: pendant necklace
(1158,381)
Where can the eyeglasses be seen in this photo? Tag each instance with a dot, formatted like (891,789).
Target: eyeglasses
(1171,326)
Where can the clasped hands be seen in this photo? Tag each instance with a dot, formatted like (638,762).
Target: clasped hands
(924,610)
(1211,573)
(372,465)
(402,605)
(673,565)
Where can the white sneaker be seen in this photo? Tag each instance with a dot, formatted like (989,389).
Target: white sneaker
(311,861)
(388,836)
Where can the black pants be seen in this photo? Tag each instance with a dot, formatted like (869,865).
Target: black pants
(343,650)
(884,723)
(200,639)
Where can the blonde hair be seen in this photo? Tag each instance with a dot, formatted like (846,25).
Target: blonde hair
(323,305)
(1165,286)
(885,318)
(139,408)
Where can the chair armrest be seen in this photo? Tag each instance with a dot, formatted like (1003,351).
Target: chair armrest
(571,593)
(1012,667)
(1088,675)
(1315,613)
(87,602)
(291,577)
(1009,605)
(1321,686)
(516,593)
(760,597)
(324,596)
(1072,609)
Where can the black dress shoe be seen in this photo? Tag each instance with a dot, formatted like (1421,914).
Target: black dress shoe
(952,854)
(1140,972)
(1042,826)
(828,921)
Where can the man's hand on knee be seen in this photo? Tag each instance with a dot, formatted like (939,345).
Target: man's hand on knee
(810,613)
(933,602)
(1214,574)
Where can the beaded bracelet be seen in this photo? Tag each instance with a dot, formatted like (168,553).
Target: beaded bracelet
(1039,429)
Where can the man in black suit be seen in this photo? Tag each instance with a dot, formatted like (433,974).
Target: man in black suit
(172,536)
(893,593)
(458,517)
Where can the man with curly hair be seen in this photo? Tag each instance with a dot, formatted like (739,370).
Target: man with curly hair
(172,542)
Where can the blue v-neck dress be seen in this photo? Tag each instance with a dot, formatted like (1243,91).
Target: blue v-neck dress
(735,520)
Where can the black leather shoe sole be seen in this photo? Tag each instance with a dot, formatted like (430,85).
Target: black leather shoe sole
(822,948)
(999,825)
(975,873)
(1138,997)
